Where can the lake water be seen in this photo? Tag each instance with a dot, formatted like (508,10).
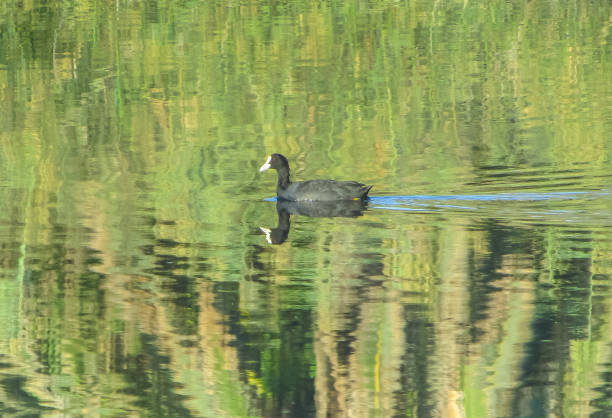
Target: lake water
(146,268)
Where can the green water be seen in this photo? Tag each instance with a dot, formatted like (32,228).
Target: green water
(135,279)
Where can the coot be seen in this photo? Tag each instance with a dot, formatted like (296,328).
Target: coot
(312,190)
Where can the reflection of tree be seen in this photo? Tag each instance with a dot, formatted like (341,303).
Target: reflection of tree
(127,132)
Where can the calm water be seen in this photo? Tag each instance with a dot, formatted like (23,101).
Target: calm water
(147,270)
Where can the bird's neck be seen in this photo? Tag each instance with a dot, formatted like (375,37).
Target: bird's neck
(283,178)
(284,222)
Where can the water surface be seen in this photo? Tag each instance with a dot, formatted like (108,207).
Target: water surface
(134,276)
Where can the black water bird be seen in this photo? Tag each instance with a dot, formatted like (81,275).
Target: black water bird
(312,190)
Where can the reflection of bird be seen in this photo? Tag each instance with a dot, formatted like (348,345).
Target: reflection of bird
(279,234)
(312,190)
(324,209)
(330,209)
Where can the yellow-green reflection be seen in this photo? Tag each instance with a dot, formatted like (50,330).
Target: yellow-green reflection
(135,280)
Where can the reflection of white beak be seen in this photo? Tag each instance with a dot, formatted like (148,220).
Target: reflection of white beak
(266,165)
(267,232)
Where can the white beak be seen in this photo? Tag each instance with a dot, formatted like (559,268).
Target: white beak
(266,165)
(267,232)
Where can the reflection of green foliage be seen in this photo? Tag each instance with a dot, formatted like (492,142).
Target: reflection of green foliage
(150,381)
(128,126)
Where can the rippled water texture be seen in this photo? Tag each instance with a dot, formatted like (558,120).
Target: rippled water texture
(146,268)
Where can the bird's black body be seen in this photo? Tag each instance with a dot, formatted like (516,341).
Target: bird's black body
(312,190)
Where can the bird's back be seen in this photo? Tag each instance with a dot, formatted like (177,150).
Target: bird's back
(324,190)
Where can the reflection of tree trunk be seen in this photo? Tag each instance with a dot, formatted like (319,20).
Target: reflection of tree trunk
(326,395)
(359,346)
(509,326)
(388,330)
(213,354)
(450,324)
(332,386)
